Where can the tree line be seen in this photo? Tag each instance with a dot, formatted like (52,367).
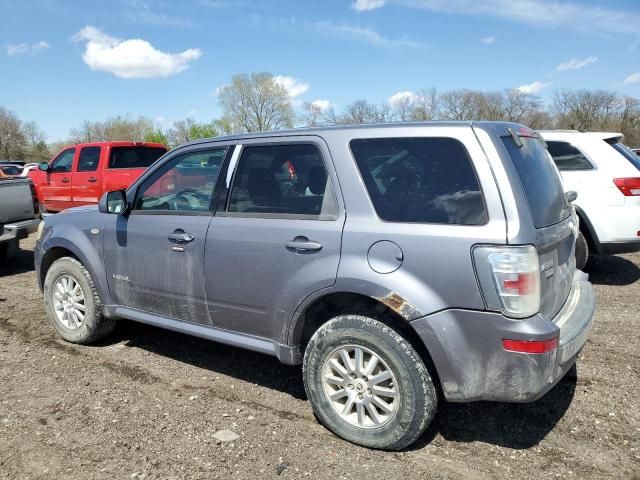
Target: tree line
(258,102)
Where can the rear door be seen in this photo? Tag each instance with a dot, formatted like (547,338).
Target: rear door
(551,215)
(56,188)
(278,239)
(87,182)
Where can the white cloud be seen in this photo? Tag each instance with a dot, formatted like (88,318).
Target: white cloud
(321,105)
(134,58)
(364,35)
(534,87)
(401,97)
(576,63)
(17,49)
(541,13)
(488,40)
(293,86)
(363,5)
(633,78)
(191,113)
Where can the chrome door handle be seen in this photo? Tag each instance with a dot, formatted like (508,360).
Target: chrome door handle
(65,180)
(181,237)
(303,244)
(92,179)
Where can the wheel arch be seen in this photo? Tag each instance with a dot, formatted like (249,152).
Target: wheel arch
(587,228)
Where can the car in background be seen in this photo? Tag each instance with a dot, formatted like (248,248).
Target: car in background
(19,215)
(28,167)
(81,173)
(636,151)
(606,176)
(11,169)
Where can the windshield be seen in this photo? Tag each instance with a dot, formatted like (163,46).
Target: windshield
(540,181)
(627,153)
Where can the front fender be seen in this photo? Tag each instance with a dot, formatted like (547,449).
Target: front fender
(85,246)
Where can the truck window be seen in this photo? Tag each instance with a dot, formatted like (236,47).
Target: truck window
(63,162)
(420,180)
(89,159)
(134,156)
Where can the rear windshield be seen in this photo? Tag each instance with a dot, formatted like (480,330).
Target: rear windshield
(627,153)
(420,180)
(134,157)
(540,181)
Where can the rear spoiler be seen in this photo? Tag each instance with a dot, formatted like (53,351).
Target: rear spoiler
(609,137)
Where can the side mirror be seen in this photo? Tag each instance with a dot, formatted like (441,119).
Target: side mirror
(113,202)
(571,196)
(44,166)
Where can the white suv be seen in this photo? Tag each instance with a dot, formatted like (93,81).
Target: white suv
(606,176)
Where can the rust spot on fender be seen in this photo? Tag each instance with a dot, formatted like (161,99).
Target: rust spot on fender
(399,305)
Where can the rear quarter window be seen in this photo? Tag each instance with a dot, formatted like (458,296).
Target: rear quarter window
(568,157)
(540,181)
(420,180)
(134,156)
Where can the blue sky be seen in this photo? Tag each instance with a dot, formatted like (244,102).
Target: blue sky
(64,61)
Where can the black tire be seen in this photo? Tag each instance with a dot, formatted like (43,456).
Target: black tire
(9,250)
(582,251)
(416,393)
(95,325)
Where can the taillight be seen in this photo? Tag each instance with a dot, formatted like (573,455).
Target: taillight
(530,346)
(509,278)
(630,187)
(34,196)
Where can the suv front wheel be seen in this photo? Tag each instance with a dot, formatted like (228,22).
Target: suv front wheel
(367,384)
(72,303)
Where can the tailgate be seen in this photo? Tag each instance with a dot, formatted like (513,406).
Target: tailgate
(16,200)
(556,251)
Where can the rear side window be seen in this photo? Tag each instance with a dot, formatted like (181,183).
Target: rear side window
(540,181)
(420,180)
(89,158)
(568,157)
(282,180)
(134,157)
(627,153)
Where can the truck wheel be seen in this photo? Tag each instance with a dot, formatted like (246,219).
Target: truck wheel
(582,251)
(72,303)
(9,250)
(367,384)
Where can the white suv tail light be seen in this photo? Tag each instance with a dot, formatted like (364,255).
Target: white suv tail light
(509,279)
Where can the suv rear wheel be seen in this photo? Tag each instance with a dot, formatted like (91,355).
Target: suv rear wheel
(367,384)
(582,251)
(72,303)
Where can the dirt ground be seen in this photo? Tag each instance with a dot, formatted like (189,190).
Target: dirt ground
(147,403)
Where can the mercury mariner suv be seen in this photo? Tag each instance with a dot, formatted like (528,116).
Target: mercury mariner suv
(400,264)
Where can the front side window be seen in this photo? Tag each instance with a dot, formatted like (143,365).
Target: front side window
(185,183)
(420,180)
(89,159)
(568,157)
(282,180)
(63,162)
(134,156)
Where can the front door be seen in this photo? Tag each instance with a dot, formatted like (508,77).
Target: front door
(154,255)
(56,190)
(278,239)
(87,184)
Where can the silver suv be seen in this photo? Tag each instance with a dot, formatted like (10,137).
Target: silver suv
(399,264)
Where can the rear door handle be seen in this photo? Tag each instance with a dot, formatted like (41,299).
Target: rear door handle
(92,179)
(303,244)
(65,180)
(181,237)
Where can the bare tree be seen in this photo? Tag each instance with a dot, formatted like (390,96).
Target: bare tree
(36,148)
(462,105)
(426,105)
(187,130)
(361,112)
(402,106)
(113,129)
(256,103)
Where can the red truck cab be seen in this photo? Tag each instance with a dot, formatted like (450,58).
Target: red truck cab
(79,174)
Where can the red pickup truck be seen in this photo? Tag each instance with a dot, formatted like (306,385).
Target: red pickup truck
(81,173)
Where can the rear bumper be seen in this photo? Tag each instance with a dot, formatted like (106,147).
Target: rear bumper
(612,248)
(466,348)
(18,230)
